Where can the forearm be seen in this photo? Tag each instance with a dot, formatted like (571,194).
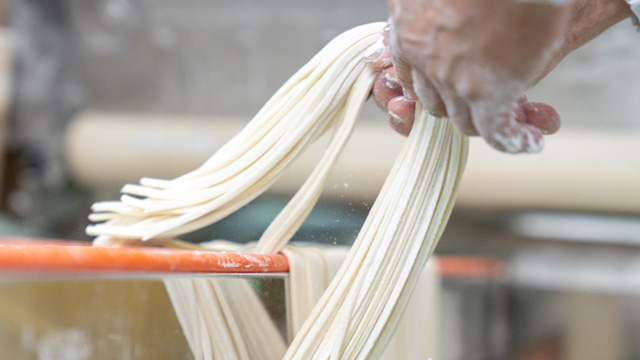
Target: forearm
(589,18)
(470,59)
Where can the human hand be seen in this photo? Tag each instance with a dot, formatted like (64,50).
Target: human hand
(472,60)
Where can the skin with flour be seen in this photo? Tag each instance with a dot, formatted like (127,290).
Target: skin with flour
(471,60)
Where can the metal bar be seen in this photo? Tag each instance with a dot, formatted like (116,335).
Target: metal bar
(74,257)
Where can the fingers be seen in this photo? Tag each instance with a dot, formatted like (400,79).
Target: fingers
(460,114)
(516,128)
(415,85)
(387,92)
(542,116)
(427,92)
(388,95)
(386,87)
(401,114)
(393,89)
(520,129)
(405,78)
(403,68)
(502,131)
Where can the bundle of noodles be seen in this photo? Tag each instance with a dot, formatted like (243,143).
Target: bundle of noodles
(327,93)
(355,317)
(357,314)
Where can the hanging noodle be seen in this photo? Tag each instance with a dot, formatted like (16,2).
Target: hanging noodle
(356,315)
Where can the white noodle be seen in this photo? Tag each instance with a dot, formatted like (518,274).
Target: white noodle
(355,317)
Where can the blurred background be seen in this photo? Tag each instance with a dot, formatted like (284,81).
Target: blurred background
(95,94)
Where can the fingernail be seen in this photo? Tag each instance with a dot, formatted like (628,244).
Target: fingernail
(390,81)
(398,124)
(396,118)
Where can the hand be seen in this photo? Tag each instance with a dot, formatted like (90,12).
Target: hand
(471,59)
(387,92)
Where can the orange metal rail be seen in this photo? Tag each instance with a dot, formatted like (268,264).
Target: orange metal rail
(50,255)
(45,255)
